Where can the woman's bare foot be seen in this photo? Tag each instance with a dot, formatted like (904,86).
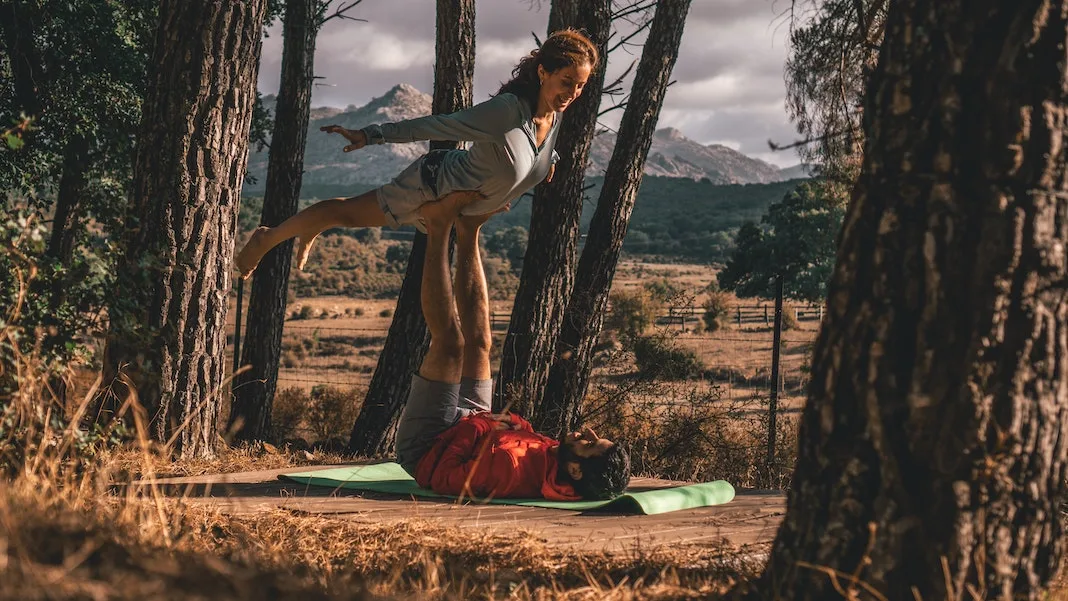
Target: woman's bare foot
(444,211)
(249,256)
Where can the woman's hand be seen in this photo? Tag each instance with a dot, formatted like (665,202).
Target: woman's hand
(552,170)
(356,137)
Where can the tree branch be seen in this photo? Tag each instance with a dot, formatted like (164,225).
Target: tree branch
(339,13)
(629,36)
(811,140)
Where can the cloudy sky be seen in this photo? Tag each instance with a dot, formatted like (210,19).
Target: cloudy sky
(729,85)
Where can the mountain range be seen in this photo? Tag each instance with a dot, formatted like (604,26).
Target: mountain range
(672,154)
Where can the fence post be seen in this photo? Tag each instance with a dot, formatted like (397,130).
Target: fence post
(738,308)
(773,404)
(765,313)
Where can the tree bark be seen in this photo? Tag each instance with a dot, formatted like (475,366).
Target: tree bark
(250,416)
(932,447)
(569,375)
(166,336)
(408,339)
(72,185)
(552,247)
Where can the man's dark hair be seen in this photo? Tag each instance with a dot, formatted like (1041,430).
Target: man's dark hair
(603,477)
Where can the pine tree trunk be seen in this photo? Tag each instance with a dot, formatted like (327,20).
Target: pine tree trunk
(549,263)
(568,378)
(408,339)
(932,446)
(166,336)
(72,184)
(250,417)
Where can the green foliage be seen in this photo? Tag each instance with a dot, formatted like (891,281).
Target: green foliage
(717,310)
(825,87)
(56,332)
(633,312)
(508,243)
(797,243)
(658,358)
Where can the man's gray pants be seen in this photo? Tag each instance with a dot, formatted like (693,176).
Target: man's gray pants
(432,408)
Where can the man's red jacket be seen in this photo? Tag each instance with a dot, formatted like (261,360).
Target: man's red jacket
(475,458)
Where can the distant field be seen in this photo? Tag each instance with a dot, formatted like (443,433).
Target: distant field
(338,339)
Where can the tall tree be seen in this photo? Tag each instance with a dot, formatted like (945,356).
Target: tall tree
(831,56)
(582,321)
(166,338)
(549,264)
(932,450)
(250,416)
(408,338)
(797,247)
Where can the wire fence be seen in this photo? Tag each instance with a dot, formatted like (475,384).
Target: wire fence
(737,360)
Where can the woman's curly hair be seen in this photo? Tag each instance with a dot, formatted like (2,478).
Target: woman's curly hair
(563,48)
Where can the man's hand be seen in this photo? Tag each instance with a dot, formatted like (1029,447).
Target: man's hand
(503,421)
(552,170)
(357,138)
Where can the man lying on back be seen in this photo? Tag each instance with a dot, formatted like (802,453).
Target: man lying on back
(447,437)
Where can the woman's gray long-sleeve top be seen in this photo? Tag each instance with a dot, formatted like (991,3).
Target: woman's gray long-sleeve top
(503,162)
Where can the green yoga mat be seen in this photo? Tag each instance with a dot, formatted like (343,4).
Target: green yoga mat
(391,478)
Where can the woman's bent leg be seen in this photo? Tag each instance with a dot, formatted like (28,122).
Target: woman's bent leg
(356,211)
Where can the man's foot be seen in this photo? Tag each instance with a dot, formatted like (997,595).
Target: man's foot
(443,212)
(249,256)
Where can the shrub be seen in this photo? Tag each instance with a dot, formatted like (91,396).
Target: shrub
(305,312)
(789,317)
(717,310)
(287,411)
(385,313)
(633,312)
(331,411)
(359,312)
(663,289)
(657,358)
(688,431)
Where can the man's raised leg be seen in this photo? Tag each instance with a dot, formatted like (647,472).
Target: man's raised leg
(434,395)
(472,302)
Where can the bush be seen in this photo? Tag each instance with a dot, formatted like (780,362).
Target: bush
(385,313)
(633,312)
(332,411)
(789,317)
(287,412)
(689,431)
(717,310)
(664,290)
(305,312)
(659,359)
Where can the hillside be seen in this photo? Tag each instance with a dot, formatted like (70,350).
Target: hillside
(672,154)
(676,218)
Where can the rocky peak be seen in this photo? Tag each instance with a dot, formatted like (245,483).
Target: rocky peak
(672,154)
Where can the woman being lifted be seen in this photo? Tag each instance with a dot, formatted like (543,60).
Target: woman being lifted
(513,136)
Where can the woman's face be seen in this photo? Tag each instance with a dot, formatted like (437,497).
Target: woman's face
(561,87)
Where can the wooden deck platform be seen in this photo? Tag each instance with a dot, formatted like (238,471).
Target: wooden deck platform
(751,519)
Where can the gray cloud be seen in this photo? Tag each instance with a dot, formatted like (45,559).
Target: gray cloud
(729,86)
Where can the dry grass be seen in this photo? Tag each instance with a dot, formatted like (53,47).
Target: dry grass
(77,527)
